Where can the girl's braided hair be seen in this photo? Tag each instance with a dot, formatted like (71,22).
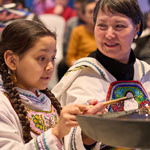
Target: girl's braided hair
(20,36)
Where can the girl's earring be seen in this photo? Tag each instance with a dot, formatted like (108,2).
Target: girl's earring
(14,79)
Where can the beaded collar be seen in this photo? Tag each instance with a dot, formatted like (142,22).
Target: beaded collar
(41,102)
(28,94)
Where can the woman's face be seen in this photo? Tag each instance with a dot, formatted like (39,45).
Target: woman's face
(114,34)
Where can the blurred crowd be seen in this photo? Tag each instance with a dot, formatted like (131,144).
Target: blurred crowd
(78,38)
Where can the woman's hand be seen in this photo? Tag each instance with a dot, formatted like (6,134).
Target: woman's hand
(94,108)
(67,119)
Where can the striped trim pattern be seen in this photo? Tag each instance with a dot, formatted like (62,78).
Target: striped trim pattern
(40,143)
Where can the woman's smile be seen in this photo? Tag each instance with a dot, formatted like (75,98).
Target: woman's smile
(111,45)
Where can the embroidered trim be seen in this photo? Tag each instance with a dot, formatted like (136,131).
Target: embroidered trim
(143,68)
(33,98)
(75,69)
(40,143)
(73,143)
(47,148)
(35,143)
(99,70)
(119,89)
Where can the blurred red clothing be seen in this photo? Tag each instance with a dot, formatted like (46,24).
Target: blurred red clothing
(66,14)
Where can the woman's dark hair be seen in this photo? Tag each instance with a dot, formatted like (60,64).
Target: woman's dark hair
(20,36)
(129,8)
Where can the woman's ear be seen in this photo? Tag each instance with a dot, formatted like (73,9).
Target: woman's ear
(10,59)
(137,29)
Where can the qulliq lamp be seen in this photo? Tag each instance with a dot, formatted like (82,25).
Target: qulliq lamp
(128,129)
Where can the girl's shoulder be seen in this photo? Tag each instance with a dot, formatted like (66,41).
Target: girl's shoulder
(5,105)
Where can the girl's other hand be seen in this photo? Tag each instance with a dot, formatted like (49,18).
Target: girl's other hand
(67,119)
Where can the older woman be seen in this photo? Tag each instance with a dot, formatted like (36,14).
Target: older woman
(112,71)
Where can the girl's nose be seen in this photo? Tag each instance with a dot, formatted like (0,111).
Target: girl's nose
(50,66)
(110,33)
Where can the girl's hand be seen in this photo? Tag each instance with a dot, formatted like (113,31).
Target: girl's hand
(67,119)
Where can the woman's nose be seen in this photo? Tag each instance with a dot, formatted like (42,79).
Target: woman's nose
(110,33)
(50,66)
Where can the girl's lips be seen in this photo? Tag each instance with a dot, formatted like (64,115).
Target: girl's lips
(45,78)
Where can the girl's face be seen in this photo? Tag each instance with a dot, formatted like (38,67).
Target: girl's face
(35,68)
(114,34)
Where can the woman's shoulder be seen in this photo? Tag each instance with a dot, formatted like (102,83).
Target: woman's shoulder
(85,64)
(142,64)
(87,61)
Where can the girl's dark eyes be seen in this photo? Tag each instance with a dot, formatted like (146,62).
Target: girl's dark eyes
(53,59)
(41,58)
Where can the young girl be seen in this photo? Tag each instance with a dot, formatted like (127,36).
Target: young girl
(29,111)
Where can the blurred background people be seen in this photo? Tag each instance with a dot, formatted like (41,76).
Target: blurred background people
(82,41)
(61,8)
(79,39)
(14,9)
(39,6)
(71,23)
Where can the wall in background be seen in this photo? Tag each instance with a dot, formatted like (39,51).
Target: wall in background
(144,5)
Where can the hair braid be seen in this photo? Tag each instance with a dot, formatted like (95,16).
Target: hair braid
(53,99)
(15,100)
